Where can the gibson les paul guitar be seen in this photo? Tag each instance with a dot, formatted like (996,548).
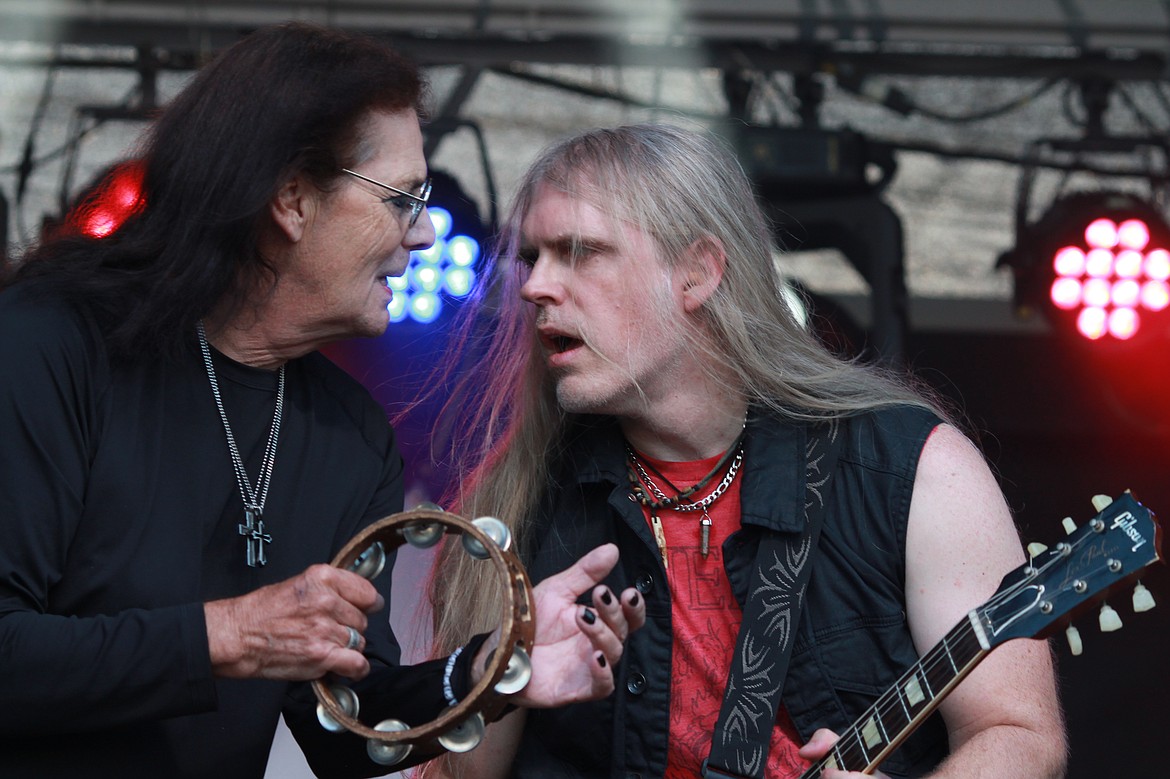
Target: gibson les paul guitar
(1033,601)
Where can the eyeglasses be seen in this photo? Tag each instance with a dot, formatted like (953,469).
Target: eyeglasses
(416,202)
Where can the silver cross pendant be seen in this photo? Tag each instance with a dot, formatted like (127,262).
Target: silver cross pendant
(253,531)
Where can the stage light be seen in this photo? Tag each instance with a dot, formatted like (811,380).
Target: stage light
(1096,264)
(458,282)
(397,308)
(116,196)
(444,272)
(463,251)
(441,219)
(425,307)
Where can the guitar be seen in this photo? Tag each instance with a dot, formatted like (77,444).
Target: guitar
(1033,601)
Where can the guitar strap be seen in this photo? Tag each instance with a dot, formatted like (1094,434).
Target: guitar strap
(771,614)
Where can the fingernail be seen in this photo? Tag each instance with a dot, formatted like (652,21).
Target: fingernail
(606,598)
(634,600)
(601,660)
(589,616)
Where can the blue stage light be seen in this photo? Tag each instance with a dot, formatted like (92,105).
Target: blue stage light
(425,278)
(397,307)
(425,307)
(458,281)
(433,255)
(441,219)
(444,272)
(463,251)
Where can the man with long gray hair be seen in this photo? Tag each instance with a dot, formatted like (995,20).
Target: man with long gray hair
(792,520)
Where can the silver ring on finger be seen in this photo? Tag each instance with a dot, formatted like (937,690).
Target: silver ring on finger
(355,639)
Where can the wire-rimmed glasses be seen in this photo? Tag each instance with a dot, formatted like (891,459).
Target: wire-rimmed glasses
(417,202)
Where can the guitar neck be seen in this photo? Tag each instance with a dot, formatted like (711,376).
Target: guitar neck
(902,708)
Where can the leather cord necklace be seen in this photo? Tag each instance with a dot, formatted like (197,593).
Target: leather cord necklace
(640,481)
(252,528)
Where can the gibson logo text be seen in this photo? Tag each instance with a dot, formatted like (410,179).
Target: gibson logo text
(1127,522)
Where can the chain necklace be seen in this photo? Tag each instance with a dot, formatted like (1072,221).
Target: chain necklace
(639,476)
(677,503)
(252,527)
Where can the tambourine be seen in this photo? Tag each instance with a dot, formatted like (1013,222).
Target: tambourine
(460,727)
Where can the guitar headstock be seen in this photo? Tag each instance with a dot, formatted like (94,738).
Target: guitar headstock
(1060,582)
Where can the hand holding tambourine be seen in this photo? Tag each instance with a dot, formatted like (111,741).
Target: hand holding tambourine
(558,652)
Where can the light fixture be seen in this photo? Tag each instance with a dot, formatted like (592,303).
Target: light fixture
(114,197)
(444,273)
(1096,264)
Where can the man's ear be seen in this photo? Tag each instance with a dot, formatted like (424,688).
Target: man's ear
(702,271)
(290,208)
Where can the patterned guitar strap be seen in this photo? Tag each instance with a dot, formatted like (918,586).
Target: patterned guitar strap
(743,732)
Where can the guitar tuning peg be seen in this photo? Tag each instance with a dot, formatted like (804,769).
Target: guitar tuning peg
(1074,640)
(1101,502)
(1143,599)
(1109,619)
(1035,549)
(1070,527)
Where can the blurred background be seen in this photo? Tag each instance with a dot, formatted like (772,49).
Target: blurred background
(972,191)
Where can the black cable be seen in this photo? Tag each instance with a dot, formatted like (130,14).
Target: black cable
(1070,114)
(1022,161)
(1136,109)
(26,166)
(49,156)
(1158,88)
(603,94)
(901,102)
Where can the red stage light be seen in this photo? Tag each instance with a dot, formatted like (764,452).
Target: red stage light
(1155,295)
(1099,261)
(1133,234)
(1123,323)
(1067,293)
(1069,261)
(1101,234)
(117,197)
(1157,265)
(1128,264)
(1091,322)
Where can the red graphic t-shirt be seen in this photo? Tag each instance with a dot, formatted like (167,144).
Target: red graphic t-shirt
(706,619)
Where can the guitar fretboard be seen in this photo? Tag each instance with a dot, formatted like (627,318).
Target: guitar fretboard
(901,708)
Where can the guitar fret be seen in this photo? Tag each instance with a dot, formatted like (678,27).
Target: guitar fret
(938,676)
(947,651)
(857,737)
(834,758)
(902,699)
(914,690)
(870,732)
(922,674)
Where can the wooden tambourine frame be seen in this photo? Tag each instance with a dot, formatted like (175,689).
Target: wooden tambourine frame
(517,623)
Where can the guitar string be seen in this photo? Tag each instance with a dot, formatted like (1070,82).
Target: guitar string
(929,664)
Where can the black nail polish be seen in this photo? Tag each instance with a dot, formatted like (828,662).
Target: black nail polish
(634,600)
(601,660)
(589,617)
(606,598)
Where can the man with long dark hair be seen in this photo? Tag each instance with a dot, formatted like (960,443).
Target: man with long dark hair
(777,507)
(178,462)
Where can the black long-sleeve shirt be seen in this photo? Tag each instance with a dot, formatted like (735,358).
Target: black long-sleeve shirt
(119,512)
